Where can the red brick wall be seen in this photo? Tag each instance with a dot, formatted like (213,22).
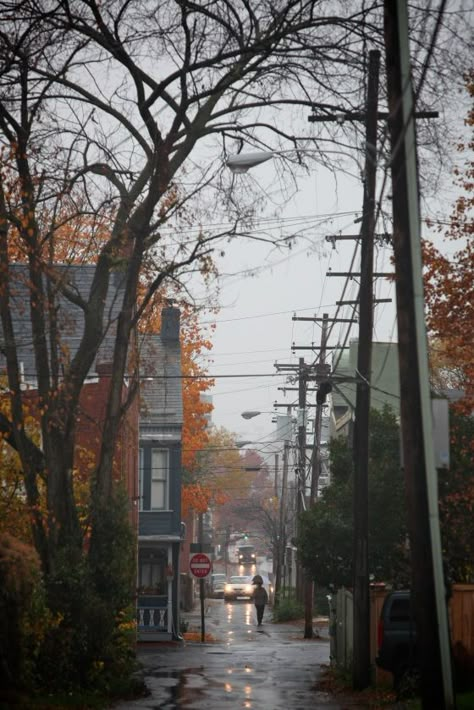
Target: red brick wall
(89,426)
(89,423)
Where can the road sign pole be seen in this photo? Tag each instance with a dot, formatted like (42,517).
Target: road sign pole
(201,597)
(200,566)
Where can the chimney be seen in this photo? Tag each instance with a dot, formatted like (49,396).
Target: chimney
(170,325)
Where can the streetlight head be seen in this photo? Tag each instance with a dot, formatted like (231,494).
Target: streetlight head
(244,161)
(250,414)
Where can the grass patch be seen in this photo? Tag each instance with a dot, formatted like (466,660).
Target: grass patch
(288,610)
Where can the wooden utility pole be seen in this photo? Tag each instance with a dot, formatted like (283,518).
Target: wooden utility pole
(318,420)
(428,590)
(201,579)
(360,556)
(301,483)
(281,547)
(315,471)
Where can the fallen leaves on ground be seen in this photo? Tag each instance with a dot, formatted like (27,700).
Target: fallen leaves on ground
(332,681)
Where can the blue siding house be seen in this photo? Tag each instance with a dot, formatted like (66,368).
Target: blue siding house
(159,518)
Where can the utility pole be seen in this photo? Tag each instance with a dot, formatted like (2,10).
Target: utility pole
(315,470)
(276,475)
(301,483)
(282,525)
(360,554)
(201,579)
(428,589)
(226,548)
(316,457)
(320,371)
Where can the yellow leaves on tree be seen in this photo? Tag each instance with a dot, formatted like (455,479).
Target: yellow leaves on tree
(14,511)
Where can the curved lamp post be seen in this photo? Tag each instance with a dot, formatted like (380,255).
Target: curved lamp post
(251,413)
(243,162)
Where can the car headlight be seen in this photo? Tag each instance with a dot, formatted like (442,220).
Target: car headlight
(249,589)
(228,587)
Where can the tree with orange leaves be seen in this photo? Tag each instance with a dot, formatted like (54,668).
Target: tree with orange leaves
(449,292)
(449,284)
(218,474)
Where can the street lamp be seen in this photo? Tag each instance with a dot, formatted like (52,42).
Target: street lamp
(243,162)
(251,413)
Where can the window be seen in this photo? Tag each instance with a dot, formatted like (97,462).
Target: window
(141,467)
(154,478)
(159,479)
(151,571)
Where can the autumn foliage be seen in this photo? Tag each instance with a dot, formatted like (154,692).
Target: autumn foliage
(449,293)
(449,283)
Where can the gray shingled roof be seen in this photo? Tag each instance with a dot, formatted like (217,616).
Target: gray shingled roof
(70,316)
(160,359)
(161,395)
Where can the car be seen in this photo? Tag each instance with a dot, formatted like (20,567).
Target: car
(217,585)
(238,587)
(396,637)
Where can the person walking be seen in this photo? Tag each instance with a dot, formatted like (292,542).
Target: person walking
(260,598)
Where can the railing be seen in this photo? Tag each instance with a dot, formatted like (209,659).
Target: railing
(152,613)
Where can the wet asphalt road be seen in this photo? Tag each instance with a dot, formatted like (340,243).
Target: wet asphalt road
(270,668)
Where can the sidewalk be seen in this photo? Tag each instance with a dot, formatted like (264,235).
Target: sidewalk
(294,628)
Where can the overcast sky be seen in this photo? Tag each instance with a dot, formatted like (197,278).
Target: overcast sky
(262,287)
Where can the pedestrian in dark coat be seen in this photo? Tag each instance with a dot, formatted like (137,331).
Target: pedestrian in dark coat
(260,598)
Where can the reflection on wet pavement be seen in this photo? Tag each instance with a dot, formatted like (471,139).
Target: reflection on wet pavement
(248,667)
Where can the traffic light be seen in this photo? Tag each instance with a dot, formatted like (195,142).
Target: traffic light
(323,390)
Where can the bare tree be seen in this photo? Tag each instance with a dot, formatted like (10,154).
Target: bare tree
(116,118)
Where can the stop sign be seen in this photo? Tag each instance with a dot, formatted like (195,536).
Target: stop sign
(200,565)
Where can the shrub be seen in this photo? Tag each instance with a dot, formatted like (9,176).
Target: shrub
(23,614)
(287,610)
(91,593)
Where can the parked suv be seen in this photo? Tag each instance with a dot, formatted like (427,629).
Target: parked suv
(397,649)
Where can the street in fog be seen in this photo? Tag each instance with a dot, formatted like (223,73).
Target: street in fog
(271,667)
